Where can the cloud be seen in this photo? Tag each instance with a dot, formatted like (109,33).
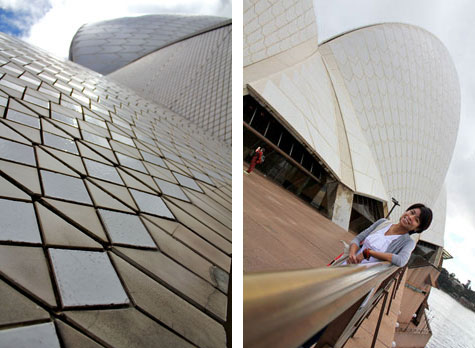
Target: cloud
(17,17)
(460,242)
(36,8)
(10,23)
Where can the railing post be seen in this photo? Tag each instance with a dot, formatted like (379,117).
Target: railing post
(395,287)
(376,331)
(401,275)
(364,313)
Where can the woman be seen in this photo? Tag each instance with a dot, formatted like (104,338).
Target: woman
(384,241)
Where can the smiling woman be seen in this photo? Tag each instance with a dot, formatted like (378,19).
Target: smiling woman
(384,241)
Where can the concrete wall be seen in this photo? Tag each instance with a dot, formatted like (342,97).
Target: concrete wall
(342,207)
(418,278)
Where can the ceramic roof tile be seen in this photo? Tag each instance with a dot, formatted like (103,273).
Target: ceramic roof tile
(105,158)
(86,278)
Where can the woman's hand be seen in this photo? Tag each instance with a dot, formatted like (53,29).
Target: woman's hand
(352,254)
(359,257)
(352,258)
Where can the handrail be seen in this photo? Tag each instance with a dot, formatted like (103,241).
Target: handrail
(284,309)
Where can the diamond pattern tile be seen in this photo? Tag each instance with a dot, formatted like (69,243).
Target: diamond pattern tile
(18,222)
(40,336)
(65,187)
(17,152)
(86,278)
(91,177)
(152,204)
(126,229)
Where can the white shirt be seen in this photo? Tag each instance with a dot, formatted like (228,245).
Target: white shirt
(377,241)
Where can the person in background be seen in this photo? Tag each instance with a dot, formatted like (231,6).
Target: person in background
(257,158)
(385,241)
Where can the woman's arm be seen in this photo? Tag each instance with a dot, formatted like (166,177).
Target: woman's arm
(400,259)
(355,243)
(352,258)
(380,255)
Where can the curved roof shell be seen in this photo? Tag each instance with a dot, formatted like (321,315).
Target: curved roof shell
(109,45)
(405,93)
(273,27)
(380,106)
(191,77)
(115,213)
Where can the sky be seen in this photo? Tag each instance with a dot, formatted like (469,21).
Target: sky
(452,22)
(51,24)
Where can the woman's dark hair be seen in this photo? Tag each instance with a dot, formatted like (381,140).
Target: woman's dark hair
(424,219)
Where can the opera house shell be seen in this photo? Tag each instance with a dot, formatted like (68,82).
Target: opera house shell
(377,108)
(115,213)
(182,62)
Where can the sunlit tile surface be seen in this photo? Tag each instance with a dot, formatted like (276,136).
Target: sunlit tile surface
(102,171)
(88,188)
(17,152)
(60,143)
(64,186)
(38,336)
(171,189)
(18,222)
(186,181)
(86,278)
(131,163)
(152,204)
(24,119)
(153,159)
(126,229)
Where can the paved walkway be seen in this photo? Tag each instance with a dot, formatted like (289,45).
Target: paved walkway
(281,232)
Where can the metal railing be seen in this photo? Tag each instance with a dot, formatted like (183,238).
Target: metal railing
(285,309)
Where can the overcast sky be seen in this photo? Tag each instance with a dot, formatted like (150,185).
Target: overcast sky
(452,22)
(51,24)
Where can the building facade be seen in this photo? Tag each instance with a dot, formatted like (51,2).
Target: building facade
(362,118)
(182,62)
(115,213)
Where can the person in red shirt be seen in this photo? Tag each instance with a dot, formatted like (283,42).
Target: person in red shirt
(256,159)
